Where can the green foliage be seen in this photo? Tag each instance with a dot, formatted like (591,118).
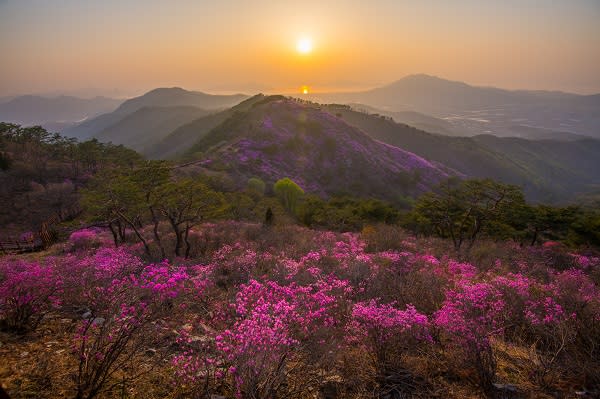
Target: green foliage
(150,194)
(44,171)
(344,213)
(4,162)
(462,209)
(184,204)
(548,222)
(289,193)
(584,229)
(256,186)
(37,148)
(279,216)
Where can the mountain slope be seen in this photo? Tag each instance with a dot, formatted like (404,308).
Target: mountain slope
(53,111)
(547,170)
(279,137)
(162,97)
(143,128)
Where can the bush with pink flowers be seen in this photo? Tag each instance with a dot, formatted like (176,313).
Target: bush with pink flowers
(28,291)
(296,313)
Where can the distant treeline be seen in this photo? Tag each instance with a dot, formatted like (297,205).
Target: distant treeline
(41,172)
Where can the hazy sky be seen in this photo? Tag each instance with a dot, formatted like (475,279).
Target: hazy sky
(127,47)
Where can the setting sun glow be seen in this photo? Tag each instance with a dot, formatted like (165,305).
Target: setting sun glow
(304,45)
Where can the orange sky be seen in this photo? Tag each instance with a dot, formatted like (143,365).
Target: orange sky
(127,47)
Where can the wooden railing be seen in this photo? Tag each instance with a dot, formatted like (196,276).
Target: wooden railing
(19,247)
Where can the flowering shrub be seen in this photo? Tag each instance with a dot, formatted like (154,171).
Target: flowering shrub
(28,290)
(272,322)
(285,313)
(117,330)
(387,332)
(470,317)
(86,239)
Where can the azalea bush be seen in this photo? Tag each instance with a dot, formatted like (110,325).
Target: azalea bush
(470,317)
(136,314)
(290,312)
(28,291)
(387,333)
(87,239)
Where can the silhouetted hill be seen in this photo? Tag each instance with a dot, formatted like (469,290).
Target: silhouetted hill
(163,97)
(143,128)
(279,137)
(53,112)
(179,141)
(424,92)
(176,96)
(547,170)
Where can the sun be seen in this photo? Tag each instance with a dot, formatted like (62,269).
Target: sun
(304,45)
(304,89)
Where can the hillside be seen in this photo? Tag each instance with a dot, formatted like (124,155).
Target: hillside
(143,128)
(279,137)
(162,97)
(547,170)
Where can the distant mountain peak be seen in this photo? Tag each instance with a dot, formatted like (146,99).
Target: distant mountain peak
(167,90)
(425,81)
(160,97)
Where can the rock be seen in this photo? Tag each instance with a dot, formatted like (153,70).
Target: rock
(98,321)
(330,390)
(86,315)
(150,352)
(505,387)
(587,394)
(196,338)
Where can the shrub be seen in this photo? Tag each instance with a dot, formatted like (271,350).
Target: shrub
(85,239)
(470,317)
(386,332)
(28,291)
(133,315)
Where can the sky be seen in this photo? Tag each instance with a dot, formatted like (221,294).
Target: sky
(126,47)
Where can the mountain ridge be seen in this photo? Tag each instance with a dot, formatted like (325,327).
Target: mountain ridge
(160,97)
